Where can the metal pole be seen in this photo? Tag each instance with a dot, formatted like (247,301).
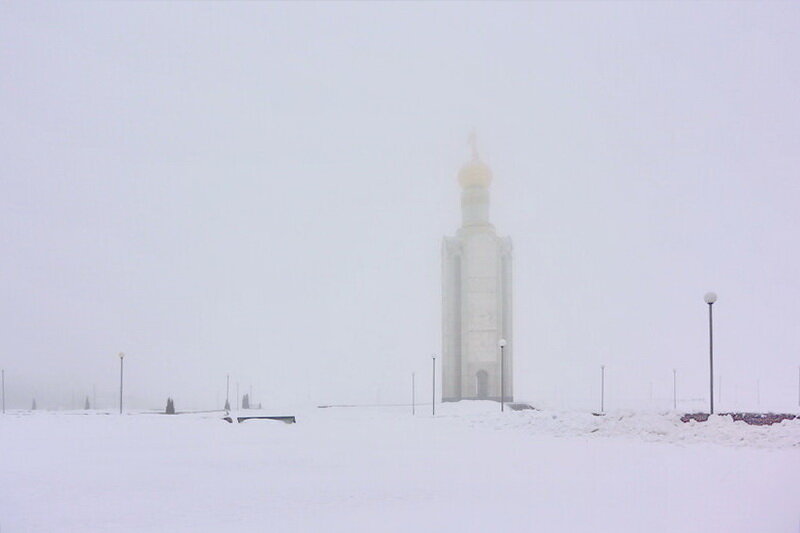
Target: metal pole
(238,398)
(94,397)
(433,396)
(798,385)
(4,391)
(711,356)
(502,380)
(602,388)
(121,357)
(674,389)
(227,389)
(758,393)
(413,396)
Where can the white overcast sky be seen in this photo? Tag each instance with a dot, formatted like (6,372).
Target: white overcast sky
(261,190)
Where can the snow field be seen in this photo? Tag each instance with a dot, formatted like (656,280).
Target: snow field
(470,468)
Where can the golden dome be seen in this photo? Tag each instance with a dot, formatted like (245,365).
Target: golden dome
(475,174)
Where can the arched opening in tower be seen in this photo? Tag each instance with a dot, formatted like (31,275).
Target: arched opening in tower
(482,384)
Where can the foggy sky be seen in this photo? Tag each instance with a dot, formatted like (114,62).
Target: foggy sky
(261,190)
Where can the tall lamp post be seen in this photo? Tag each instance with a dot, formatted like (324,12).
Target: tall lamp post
(710,298)
(602,388)
(502,344)
(227,391)
(121,358)
(413,395)
(674,389)
(433,396)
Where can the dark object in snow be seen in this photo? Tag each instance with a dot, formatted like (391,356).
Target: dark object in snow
(753,419)
(284,419)
(598,414)
(170,407)
(521,407)
(697,417)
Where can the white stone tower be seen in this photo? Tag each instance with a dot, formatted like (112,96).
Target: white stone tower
(476,297)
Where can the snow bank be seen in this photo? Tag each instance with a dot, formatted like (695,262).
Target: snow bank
(651,427)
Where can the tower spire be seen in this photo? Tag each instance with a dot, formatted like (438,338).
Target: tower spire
(473,143)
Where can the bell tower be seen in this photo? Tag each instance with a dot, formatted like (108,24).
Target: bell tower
(476,297)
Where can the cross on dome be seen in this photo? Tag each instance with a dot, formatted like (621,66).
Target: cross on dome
(473,143)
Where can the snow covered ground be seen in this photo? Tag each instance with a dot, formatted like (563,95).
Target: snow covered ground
(470,468)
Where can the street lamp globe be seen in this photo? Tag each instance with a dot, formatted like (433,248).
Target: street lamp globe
(710,297)
(501,342)
(121,355)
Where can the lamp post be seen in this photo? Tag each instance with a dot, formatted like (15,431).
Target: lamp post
(674,389)
(4,391)
(433,396)
(758,393)
(413,395)
(710,298)
(502,344)
(602,388)
(121,358)
(227,391)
